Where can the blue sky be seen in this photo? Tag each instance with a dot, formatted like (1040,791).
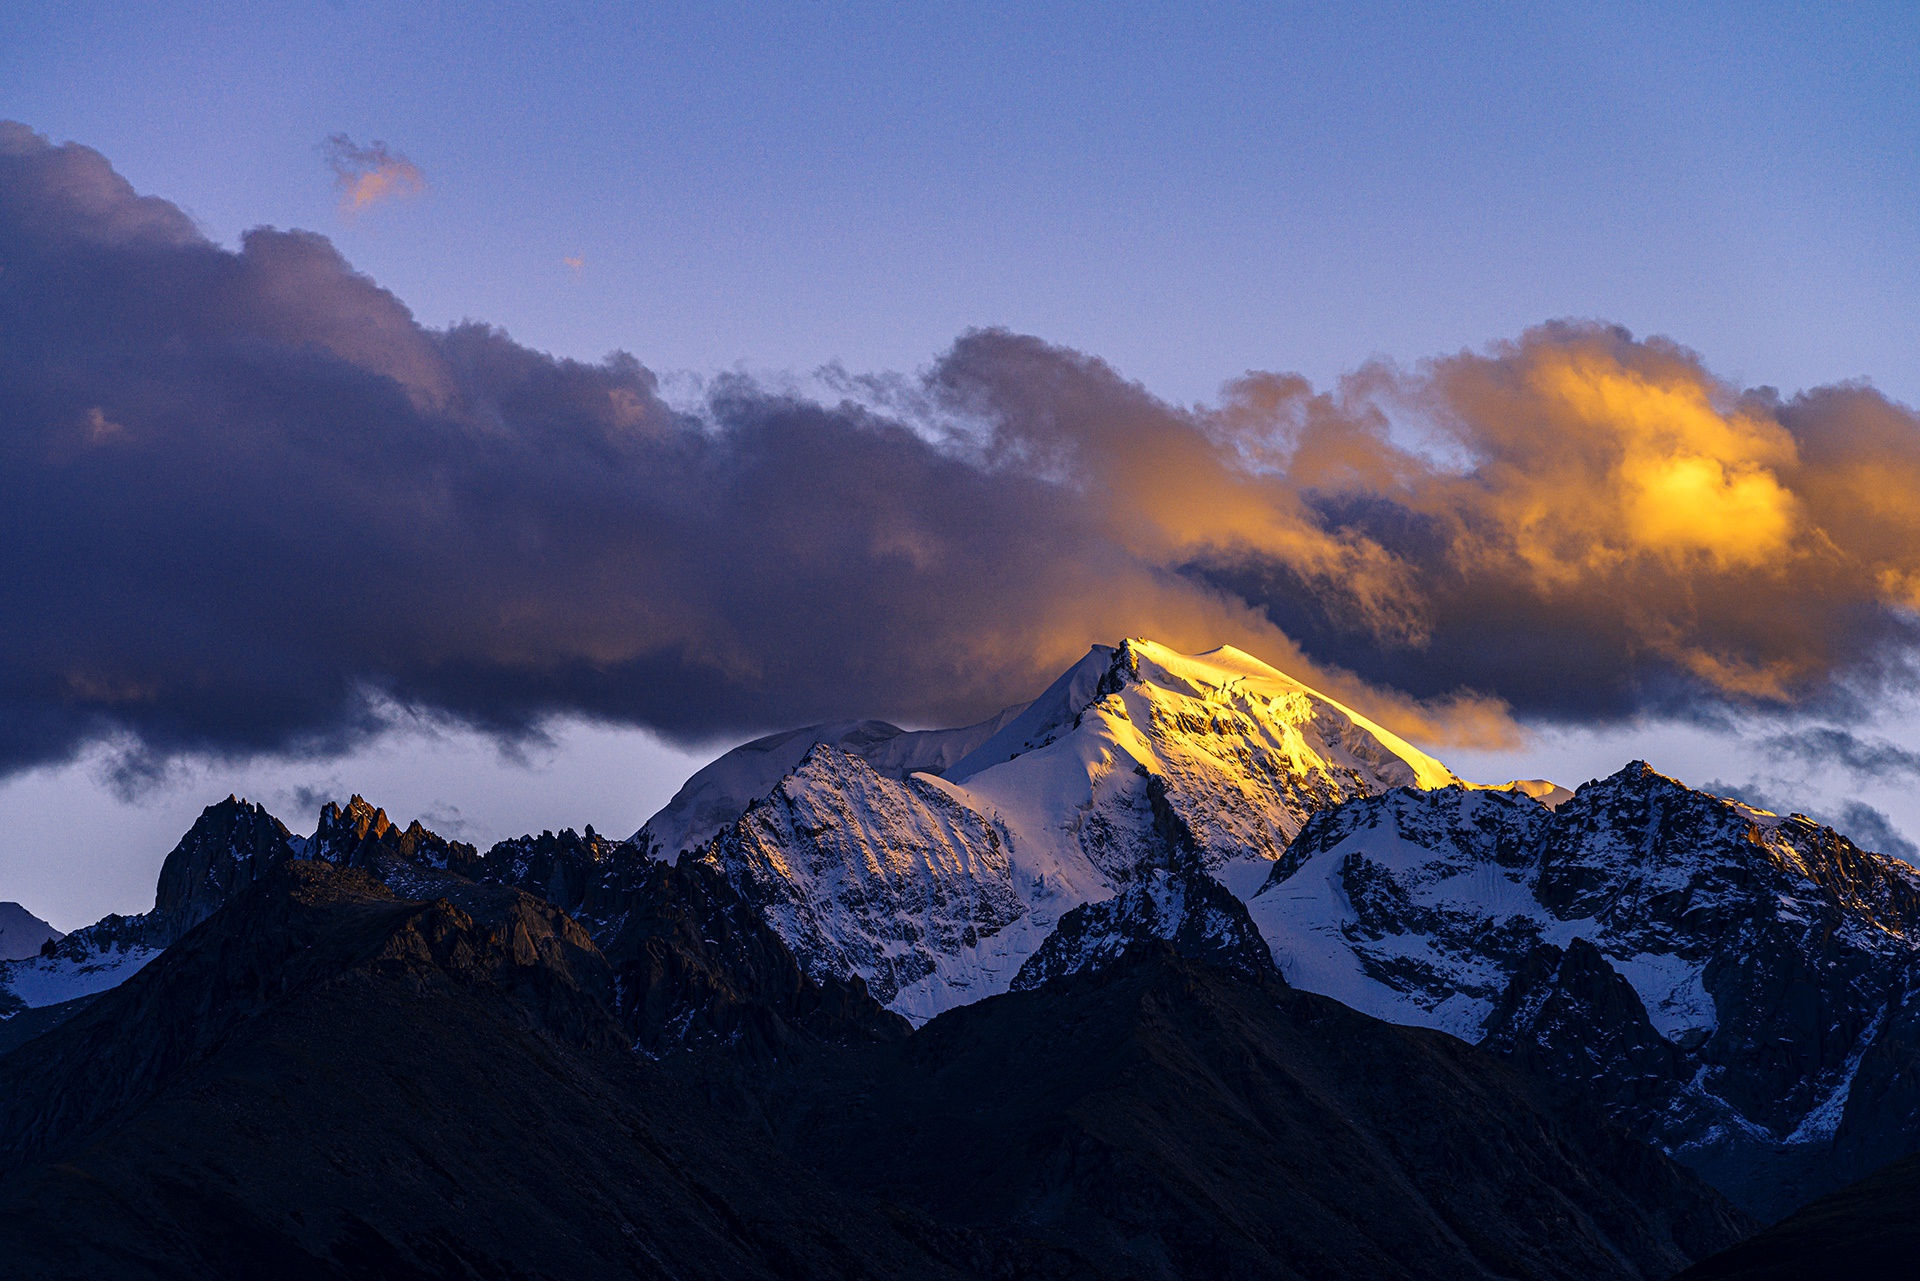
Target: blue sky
(1188,192)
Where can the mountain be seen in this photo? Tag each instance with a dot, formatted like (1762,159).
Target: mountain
(22,933)
(1731,984)
(1733,987)
(1864,1230)
(935,889)
(227,847)
(1166,1118)
(326,1079)
(1183,908)
(720,792)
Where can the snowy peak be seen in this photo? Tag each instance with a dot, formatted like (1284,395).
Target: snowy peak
(1627,843)
(1056,711)
(1137,761)
(1243,755)
(720,792)
(1330,735)
(861,874)
(1186,909)
(1740,972)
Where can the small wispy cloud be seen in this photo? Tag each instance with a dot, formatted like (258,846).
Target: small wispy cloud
(574,264)
(366,176)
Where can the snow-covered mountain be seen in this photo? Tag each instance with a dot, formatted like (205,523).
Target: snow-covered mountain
(935,889)
(227,848)
(720,792)
(1740,988)
(1732,984)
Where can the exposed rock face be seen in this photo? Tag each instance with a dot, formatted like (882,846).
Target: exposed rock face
(696,966)
(1570,1016)
(1187,909)
(864,875)
(720,792)
(229,846)
(362,836)
(1768,961)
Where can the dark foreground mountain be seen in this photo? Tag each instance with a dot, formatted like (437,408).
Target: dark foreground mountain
(1173,1119)
(1866,1230)
(326,1080)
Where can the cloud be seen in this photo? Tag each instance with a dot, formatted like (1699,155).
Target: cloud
(1865,826)
(365,176)
(1612,531)
(1825,746)
(251,505)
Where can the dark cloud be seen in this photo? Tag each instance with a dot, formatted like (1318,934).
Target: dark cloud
(1865,826)
(246,499)
(1826,746)
(250,505)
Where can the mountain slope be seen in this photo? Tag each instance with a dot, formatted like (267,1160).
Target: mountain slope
(1165,1118)
(720,792)
(1867,1229)
(1733,984)
(326,1081)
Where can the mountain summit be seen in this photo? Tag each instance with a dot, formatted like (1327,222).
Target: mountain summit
(935,888)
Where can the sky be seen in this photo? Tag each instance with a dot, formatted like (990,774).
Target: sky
(743,197)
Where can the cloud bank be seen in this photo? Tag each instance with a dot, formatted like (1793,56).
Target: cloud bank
(248,501)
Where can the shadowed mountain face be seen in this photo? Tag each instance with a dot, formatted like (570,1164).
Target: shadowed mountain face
(324,1079)
(22,934)
(1866,1230)
(1172,1119)
(327,1081)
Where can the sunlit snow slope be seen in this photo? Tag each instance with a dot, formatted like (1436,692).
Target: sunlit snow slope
(935,889)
